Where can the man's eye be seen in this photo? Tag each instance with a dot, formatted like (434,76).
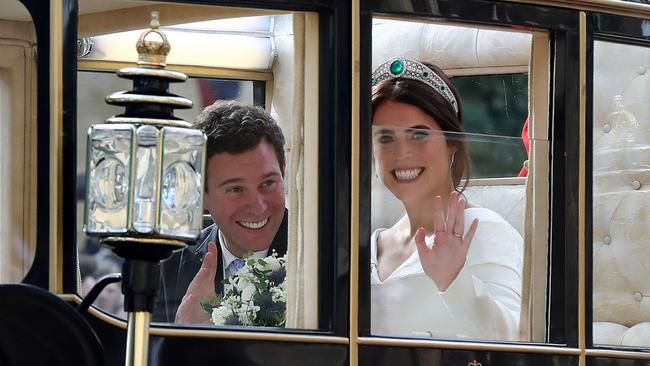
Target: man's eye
(234,190)
(268,183)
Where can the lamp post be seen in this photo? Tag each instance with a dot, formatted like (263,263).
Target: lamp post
(144,177)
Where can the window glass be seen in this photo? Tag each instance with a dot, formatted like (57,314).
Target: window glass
(458,280)
(621,198)
(17,142)
(495,105)
(95,260)
(253,195)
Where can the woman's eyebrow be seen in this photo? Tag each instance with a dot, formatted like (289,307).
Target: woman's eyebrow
(419,127)
(385,130)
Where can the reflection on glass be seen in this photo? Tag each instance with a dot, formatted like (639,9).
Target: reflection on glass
(97,261)
(146,180)
(451,267)
(18,65)
(176,186)
(621,198)
(481,297)
(495,105)
(109,175)
(180,187)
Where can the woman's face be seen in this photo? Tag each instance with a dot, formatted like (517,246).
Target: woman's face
(410,151)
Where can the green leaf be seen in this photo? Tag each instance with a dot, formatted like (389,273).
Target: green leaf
(210,303)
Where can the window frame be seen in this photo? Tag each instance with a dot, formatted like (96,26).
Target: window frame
(562,131)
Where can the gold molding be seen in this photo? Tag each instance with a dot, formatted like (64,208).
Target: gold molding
(470,346)
(113,240)
(355,169)
(137,338)
(269,95)
(538,202)
(130,18)
(244,335)
(165,329)
(618,7)
(582,149)
(56,148)
(632,355)
(190,70)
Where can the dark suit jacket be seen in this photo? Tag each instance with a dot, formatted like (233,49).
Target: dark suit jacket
(177,271)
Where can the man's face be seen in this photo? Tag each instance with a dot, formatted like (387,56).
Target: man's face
(246,197)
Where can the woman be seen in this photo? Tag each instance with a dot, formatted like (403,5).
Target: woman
(443,270)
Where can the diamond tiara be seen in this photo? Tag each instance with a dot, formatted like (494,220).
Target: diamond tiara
(402,67)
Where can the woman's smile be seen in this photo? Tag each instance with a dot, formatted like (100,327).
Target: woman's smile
(407,175)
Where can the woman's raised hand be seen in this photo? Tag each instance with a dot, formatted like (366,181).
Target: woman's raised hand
(444,260)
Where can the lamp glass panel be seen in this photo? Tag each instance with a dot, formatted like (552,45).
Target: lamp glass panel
(146,179)
(180,186)
(109,167)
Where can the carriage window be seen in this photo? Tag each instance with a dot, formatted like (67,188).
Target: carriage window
(17,142)
(448,211)
(495,105)
(621,198)
(254,196)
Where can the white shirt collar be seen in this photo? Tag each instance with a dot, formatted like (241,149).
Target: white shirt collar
(227,257)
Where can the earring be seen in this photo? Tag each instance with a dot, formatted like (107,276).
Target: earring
(451,164)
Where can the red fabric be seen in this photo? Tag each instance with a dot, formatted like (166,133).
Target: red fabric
(524,136)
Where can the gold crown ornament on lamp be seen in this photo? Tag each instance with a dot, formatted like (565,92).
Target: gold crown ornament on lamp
(153,53)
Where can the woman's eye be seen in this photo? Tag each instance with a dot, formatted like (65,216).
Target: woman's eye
(419,135)
(384,139)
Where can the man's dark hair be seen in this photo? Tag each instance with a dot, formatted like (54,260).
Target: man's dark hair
(233,127)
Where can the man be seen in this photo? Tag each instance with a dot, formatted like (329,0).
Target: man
(244,193)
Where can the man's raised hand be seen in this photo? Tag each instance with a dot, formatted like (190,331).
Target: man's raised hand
(201,288)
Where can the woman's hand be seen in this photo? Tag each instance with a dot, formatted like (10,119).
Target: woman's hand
(444,260)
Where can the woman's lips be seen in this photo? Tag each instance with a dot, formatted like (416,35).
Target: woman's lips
(407,174)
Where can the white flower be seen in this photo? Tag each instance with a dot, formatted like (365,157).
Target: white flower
(278,294)
(247,291)
(273,263)
(220,314)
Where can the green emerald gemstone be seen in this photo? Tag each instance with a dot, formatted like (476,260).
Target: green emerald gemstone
(396,67)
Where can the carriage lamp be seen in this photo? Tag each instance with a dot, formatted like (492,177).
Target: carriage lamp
(144,177)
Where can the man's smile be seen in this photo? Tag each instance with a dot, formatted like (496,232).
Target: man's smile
(255,225)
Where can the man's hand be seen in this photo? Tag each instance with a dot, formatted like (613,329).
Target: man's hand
(201,288)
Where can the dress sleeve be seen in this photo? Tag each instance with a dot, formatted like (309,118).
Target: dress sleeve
(485,297)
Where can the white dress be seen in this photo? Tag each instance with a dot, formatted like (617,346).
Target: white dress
(483,302)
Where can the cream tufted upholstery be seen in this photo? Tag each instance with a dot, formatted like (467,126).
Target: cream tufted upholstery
(621,214)
(509,201)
